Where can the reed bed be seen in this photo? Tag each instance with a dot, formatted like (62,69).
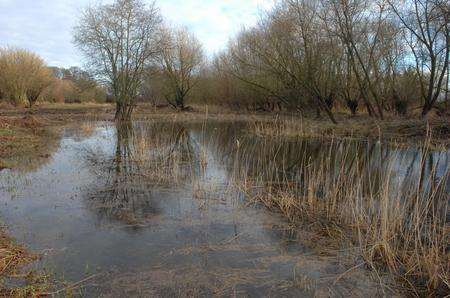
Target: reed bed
(395,213)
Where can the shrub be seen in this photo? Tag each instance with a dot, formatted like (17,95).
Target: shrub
(23,75)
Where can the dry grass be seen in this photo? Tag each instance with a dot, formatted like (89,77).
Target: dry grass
(25,141)
(13,258)
(398,130)
(398,222)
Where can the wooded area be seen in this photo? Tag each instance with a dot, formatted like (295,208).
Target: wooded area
(312,56)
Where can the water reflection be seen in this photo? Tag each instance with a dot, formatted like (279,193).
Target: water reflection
(145,156)
(175,186)
(149,156)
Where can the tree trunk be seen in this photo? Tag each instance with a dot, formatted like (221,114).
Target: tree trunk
(123,111)
(323,106)
(330,115)
(317,113)
(119,111)
(427,107)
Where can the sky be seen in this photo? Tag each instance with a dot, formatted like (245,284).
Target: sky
(45,26)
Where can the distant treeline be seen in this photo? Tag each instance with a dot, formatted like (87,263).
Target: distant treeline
(316,55)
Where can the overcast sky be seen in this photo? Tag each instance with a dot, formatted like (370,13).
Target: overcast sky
(45,26)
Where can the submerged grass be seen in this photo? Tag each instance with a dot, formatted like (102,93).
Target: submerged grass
(143,158)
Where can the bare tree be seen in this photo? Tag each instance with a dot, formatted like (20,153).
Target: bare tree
(427,32)
(359,23)
(180,61)
(118,41)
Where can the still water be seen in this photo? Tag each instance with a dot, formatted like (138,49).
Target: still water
(149,209)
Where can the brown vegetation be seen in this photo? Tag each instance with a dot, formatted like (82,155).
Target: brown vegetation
(392,130)
(23,76)
(399,223)
(25,141)
(74,85)
(13,258)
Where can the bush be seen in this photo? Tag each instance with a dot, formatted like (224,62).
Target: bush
(23,75)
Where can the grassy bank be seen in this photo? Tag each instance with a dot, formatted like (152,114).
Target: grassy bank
(412,130)
(395,130)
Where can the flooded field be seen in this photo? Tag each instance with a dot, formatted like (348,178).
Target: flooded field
(170,209)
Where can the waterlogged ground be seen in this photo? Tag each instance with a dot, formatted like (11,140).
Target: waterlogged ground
(152,209)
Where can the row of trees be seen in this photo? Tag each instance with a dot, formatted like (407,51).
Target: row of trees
(307,55)
(315,54)
(383,55)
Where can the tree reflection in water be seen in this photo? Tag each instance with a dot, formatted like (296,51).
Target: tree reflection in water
(146,157)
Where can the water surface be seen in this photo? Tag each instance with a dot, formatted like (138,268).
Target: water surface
(149,209)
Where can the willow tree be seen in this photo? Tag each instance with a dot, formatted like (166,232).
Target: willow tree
(23,74)
(38,79)
(180,61)
(118,40)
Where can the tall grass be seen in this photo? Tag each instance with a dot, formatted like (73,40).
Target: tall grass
(395,213)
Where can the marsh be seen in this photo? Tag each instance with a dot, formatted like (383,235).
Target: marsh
(175,208)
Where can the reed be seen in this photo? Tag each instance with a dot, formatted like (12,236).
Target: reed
(398,221)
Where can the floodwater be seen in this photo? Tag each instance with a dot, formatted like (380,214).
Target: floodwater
(149,210)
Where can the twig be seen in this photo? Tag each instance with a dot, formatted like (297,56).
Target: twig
(75,285)
(349,270)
